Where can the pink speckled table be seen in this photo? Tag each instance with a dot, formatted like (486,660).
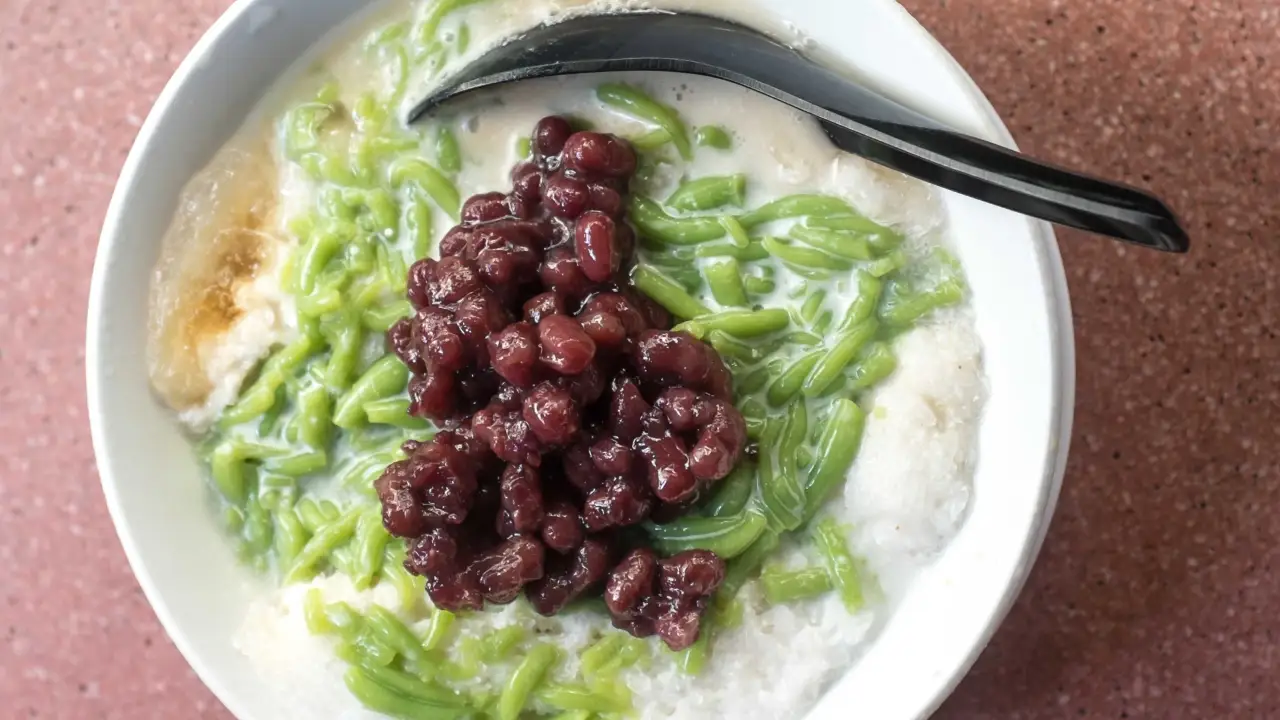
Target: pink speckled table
(1155,596)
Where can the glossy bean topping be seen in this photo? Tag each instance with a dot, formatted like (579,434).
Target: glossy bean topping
(542,305)
(521,501)
(562,529)
(646,595)
(552,414)
(595,247)
(514,353)
(568,411)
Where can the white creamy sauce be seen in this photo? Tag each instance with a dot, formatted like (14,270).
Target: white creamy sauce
(907,493)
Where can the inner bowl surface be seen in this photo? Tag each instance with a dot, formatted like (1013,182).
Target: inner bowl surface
(186,567)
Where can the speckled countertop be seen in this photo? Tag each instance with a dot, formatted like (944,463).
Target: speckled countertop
(1155,596)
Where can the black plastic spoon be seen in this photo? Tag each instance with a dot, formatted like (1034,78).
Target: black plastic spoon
(857,119)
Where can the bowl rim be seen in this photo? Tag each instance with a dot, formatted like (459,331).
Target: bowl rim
(1062,366)
(1061,356)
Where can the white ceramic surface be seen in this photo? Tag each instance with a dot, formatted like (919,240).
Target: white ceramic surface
(185,565)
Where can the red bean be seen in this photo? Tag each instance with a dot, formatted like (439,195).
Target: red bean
(642,621)
(587,386)
(540,230)
(501,571)
(611,457)
(564,196)
(506,256)
(521,501)
(478,315)
(438,340)
(454,280)
(432,396)
(540,306)
(599,155)
(446,480)
(679,628)
(520,207)
(565,347)
(594,245)
(604,329)
(549,136)
(400,341)
(526,181)
(654,423)
(720,443)
(462,438)
(435,551)
(454,591)
(618,502)
(443,479)
(552,415)
(626,411)
(667,467)
(454,242)
(568,580)
(402,514)
(507,435)
(562,527)
(560,272)
(677,405)
(514,351)
(579,470)
(561,231)
(676,358)
(485,207)
(605,199)
(631,582)
(690,575)
(509,397)
(615,304)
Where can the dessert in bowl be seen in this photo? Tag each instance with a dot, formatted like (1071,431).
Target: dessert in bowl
(606,395)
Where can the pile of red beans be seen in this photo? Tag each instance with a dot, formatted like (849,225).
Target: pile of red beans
(570,413)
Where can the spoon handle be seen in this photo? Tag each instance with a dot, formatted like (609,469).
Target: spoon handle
(1002,177)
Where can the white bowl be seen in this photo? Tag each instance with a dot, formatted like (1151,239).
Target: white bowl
(185,565)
